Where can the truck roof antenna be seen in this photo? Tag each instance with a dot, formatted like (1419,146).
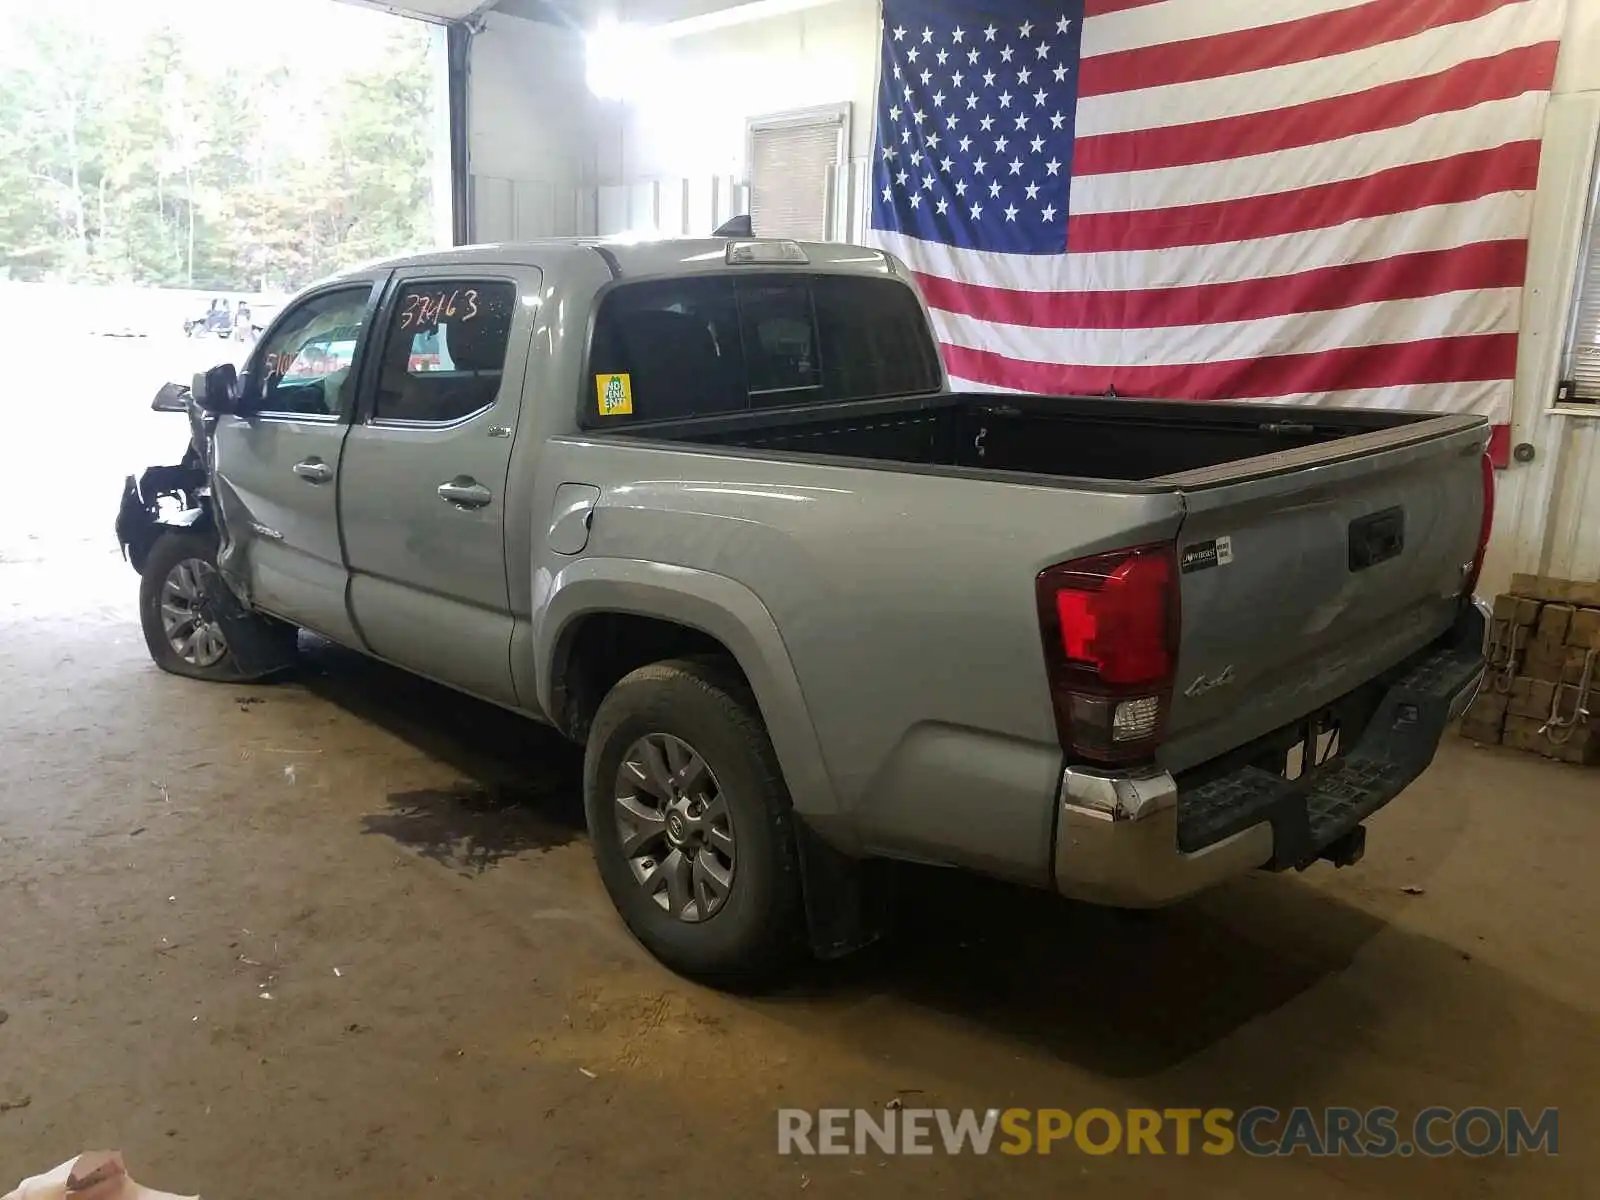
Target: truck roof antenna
(738,227)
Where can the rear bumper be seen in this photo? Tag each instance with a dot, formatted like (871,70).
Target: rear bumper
(1140,839)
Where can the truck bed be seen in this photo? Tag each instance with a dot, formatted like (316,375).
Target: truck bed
(1081,437)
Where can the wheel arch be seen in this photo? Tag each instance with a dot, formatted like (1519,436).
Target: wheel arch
(689,611)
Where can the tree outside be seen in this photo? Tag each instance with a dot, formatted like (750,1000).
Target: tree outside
(165,152)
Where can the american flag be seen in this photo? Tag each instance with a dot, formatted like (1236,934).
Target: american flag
(1313,201)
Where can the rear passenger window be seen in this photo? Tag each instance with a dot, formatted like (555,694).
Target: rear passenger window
(723,343)
(445,352)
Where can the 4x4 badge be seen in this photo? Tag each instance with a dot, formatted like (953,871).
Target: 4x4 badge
(1208,683)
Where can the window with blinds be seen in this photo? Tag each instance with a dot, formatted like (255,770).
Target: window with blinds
(1582,383)
(793,164)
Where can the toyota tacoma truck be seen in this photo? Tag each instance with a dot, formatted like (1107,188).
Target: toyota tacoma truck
(711,509)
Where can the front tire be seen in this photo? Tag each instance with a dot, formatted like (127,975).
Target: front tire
(180,625)
(691,823)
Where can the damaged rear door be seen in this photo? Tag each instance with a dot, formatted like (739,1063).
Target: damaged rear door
(277,468)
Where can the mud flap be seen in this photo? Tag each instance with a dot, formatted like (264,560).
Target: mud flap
(849,901)
(260,646)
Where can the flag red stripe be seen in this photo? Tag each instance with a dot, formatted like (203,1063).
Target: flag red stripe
(1496,264)
(1434,360)
(1099,8)
(1301,40)
(1526,68)
(1452,180)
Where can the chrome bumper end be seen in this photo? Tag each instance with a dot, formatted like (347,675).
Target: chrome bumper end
(1117,842)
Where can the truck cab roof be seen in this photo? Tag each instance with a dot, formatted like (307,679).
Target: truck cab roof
(641,258)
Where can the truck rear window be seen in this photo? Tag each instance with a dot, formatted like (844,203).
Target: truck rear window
(698,346)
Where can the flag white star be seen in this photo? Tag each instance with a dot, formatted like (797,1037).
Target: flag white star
(946,163)
(972,100)
(944,206)
(1022,120)
(919,116)
(988,34)
(986,124)
(1000,145)
(942,56)
(1037,144)
(905,93)
(1042,50)
(901,178)
(1053,167)
(888,192)
(927,183)
(927,35)
(1005,99)
(938,99)
(897,70)
(1063,25)
(972,57)
(1049,213)
(988,79)
(977,211)
(905,137)
(952,121)
(926,77)
(888,153)
(1039,98)
(978,166)
(1016,166)
(916,158)
(957,34)
(894,112)
(1033,191)
(961,187)
(899,33)
(957,79)
(932,140)
(1011,212)
(1057,120)
(1027,29)
(911,54)
(1005,54)
(916,199)
(1023,76)
(994,190)
(1060,73)
(966,144)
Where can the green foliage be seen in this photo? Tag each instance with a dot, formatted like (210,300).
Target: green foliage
(147,164)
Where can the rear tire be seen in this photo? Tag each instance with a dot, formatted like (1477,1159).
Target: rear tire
(180,628)
(691,823)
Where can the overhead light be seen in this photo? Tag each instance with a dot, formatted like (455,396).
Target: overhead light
(622,61)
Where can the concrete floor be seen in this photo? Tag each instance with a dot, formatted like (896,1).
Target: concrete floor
(403,873)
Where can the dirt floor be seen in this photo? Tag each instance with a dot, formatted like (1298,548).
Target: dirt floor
(341,937)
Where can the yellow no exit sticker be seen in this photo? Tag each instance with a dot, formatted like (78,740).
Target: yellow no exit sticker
(614,394)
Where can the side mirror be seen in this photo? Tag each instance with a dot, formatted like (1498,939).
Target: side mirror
(216,391)
(173,397)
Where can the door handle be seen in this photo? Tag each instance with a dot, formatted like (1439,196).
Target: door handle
(464,492)
(313,470)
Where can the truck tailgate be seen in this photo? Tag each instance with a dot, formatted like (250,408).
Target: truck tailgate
(1305,574)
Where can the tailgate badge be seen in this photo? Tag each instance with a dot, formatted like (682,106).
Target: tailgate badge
(1210,683)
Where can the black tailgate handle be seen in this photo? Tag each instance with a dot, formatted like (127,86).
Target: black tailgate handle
(1377,538)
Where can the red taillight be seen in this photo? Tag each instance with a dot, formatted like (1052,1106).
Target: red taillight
(1110,626)
(1485,527)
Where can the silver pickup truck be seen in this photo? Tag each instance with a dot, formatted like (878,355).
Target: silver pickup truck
(709,508)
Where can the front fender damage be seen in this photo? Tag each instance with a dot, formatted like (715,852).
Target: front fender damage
(162,498)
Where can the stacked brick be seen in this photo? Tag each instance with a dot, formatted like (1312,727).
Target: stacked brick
(1542,693)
